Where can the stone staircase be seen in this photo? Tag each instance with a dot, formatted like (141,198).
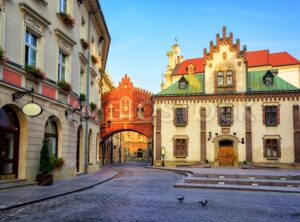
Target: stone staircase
(273,183)
(11,184)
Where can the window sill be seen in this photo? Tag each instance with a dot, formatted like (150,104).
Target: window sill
(226,87)
(274,125)
(180,157)
(272,158)
(177,125)
(227,125)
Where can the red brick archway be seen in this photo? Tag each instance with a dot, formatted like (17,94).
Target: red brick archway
(126,108)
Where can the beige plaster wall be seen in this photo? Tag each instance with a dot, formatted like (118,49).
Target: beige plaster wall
(192,130)
(212,66)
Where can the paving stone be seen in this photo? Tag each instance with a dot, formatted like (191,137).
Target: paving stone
(146,195)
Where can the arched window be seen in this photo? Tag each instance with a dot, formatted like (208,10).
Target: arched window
(229,78)
(220,77)
(90,147)
(51,136)
(110,111)
(140,111)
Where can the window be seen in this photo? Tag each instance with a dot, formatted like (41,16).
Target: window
(30,49)
(110,111)
(51,136)
(63,6)
(225,116)
(180,116)
(225,78)
(270,115)
(140,111)
(271,147)
(180,147)
(220,77)
(229,78)
(61,66)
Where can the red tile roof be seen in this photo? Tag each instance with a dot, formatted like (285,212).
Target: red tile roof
(255,59)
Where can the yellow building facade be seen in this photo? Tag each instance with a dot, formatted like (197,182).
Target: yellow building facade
(228,107)
(59,48)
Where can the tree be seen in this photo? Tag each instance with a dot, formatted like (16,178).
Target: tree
(45,164)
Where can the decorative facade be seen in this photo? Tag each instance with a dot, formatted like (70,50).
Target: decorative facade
(59,48)
(228,107)
(125,108)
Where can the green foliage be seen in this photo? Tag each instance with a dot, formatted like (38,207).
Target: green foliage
(82,97)
(92,106)
(84,44)
(3,58)
(94,59)
(65,86)
(45,164)
(206,161)
(57,162)
(35,72)
(245,162)
(1,53)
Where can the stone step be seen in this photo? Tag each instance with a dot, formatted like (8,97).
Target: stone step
(244,181)
(257,176)
(11,184)
(238,187)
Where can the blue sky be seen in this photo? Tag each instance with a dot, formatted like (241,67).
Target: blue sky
(142,31)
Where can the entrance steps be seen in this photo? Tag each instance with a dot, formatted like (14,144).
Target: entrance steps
(15,183)
(273,183)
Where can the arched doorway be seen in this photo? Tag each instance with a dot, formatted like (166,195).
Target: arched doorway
(78,147)
(9,146)
(90,146)
(226,153)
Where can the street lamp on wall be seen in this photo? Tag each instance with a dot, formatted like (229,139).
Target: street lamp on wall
(71,111)
(163,150)
(31,109)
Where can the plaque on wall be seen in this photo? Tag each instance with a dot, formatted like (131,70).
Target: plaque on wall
(225,130)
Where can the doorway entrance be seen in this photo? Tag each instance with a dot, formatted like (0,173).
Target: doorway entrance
(78,148)
(9,146)
(226,153)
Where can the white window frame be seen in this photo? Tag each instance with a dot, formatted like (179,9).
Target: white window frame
(63,6)
(61,66)
(31,48)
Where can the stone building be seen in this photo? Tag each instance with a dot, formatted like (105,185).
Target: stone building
(229,106)
(59,48)
(127,110)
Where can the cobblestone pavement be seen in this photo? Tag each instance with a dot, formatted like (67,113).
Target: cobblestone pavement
(145,195)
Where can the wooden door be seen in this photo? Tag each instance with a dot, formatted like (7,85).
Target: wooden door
(226,156)
(8,154)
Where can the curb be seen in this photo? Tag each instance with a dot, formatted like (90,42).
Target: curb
(182,172)
(58,195)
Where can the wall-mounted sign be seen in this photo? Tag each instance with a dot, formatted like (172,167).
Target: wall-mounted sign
(32,109)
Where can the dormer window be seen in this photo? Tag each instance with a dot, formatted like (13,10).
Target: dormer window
(190,69)
(268,78)
(229,78)
(220,77)
(182,83)
(225,78)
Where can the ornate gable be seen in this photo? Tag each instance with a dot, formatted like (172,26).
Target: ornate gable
(225,65)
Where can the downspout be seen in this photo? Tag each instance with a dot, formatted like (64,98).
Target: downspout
(87,97)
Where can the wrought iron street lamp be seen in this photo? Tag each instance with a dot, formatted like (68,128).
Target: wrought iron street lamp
(31,109)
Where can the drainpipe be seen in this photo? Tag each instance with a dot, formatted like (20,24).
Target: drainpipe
(87,97)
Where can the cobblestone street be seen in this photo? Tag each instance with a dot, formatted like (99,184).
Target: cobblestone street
(139,194)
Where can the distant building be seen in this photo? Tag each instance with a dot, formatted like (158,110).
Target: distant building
(229,106)
(60,49)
